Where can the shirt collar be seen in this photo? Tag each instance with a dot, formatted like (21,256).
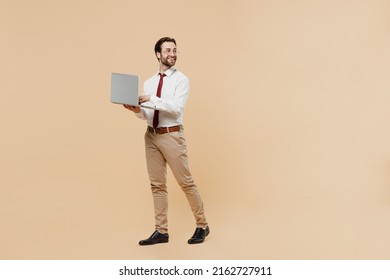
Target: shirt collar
(169,72)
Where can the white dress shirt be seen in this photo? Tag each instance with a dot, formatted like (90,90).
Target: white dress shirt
(174,95)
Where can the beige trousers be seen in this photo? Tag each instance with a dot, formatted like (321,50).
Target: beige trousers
(170,148)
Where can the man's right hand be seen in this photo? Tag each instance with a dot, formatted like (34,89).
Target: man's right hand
(134,109)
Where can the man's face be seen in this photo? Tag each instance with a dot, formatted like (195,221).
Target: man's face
(168,54)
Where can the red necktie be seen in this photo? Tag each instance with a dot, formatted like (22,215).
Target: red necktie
(157,112)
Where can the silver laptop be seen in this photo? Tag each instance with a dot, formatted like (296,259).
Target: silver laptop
(124,90)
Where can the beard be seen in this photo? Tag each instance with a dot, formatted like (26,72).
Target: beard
(169,61)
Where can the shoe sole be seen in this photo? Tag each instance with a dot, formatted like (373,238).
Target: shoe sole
(148,244)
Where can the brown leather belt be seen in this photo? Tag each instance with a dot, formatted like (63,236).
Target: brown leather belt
(162,130)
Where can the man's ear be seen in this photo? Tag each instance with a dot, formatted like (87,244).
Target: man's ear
(158,55)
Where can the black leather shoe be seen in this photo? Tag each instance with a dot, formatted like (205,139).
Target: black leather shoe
(155,238)
(199,235)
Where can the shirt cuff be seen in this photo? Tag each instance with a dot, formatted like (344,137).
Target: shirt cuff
(141,114)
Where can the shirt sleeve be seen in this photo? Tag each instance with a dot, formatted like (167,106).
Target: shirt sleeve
(175,105)
(141,114)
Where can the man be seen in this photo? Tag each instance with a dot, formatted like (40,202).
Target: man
(165,143)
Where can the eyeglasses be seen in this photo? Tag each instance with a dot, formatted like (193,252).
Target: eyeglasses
(169,51)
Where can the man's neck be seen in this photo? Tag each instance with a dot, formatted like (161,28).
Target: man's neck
(163,68)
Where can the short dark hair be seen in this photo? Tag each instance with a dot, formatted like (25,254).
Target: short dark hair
(157,47)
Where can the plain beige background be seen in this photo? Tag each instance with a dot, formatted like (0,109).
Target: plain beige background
(287,126)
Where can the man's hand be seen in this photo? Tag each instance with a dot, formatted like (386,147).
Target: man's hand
(144,98)
(134,109)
